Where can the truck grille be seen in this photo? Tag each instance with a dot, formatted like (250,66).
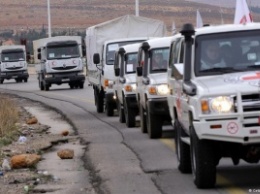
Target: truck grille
(14,68)
(64,68)
(250,102)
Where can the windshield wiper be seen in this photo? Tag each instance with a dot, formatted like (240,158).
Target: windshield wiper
(221,70)
(253,66)
(158,70)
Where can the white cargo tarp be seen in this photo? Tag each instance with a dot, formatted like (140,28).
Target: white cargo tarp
(128,26)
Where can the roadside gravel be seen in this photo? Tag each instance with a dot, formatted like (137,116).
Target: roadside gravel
(46,138)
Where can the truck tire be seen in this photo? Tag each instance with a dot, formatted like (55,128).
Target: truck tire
(46,87)
(203,162)
(41,85)
(109,109)
(25,80)
(142,119)
(121,113)
(72,85)
(81,85)
(129,115)
(154,125)
(99,101)
(182,149)
(1,81)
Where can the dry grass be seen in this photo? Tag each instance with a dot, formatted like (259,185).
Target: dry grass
(9,115)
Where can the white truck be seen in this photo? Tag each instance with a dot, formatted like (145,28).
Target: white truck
(13,64)
(58,60)
(102,40)
(125,85)
(151,85)
(215,106)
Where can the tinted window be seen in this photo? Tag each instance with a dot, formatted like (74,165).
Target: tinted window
(159,60)
(227,52)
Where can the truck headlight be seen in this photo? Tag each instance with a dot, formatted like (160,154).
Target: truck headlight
(162,89)
(130,87)
(220,104)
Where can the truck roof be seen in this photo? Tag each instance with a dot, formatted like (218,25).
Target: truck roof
(44,41)
(160,42)
(227,28)
(126,40)
(12,47)
(132,47)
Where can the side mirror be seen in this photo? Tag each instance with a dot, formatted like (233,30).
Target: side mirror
(117,71)
(139,71)
(96,58)
(189,88)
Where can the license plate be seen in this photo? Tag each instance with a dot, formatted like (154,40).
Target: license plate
(14,76)
(65,80)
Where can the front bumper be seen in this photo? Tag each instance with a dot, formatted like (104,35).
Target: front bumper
(14,75)
(159,106)
(131,101)
(64,78)
(229,130)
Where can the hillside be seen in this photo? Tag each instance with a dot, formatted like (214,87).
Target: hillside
(67,14)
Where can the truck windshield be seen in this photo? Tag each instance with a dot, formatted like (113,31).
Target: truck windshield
(159,60)
(131,63)
(227,52)
(11,56)
(62,51)
(111,49)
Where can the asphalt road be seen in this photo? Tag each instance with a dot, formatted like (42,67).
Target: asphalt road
(123,160)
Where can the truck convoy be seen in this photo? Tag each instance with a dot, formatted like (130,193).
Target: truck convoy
(214,98)
(13,64)
(102,40)
(59,60)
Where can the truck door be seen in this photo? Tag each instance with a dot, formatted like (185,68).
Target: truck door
(175,79)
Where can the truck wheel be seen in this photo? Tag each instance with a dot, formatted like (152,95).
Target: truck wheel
(25,80)
(120,112)
(182,149)
(46,87)
(99,100)
(81,85)
(142,119)
(109,109)
(154,125)
(71,85)
(203,162)
(129,115)
(41,85)
(1,81)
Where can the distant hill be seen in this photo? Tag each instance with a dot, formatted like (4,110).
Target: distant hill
(227,3)
(20,15)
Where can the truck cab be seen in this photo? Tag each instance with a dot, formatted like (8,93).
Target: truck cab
(214,98)
(125,85)
(59,60)
(152,88)
(13,64)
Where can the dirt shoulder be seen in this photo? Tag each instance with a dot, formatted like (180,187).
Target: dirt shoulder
(45,138)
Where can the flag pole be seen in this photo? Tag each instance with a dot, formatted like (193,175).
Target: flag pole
(49,18)
(136,7)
